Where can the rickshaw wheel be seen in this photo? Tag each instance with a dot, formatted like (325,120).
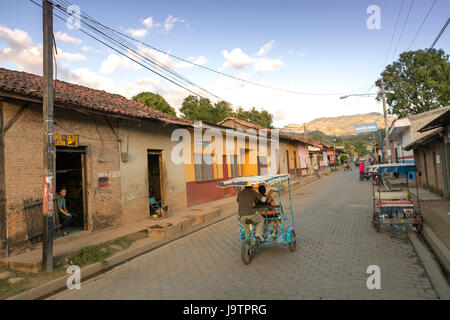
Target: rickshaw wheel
(245,252)
(293,244)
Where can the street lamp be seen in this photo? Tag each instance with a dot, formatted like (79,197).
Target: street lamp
(358,95)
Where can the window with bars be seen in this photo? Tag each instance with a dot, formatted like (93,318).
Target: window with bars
(234,167)
(203,171)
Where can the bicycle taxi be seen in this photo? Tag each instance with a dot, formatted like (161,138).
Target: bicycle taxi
(394,205)
(278,221)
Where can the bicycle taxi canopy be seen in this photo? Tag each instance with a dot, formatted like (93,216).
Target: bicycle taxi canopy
(254,180)
(393,167)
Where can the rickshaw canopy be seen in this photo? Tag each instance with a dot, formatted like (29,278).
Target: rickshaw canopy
(253,180)
(393,167)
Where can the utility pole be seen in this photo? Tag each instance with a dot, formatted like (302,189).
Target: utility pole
(47,110)
(386,128)
(334,149)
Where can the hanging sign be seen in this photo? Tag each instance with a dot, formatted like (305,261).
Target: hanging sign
(65,140)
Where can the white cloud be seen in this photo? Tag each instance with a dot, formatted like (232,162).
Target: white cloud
(17,39)
(71,57)
(238,59)
(114,61)
(85,77)
(265,49)
(148,22)
(169,23)
(87,48)
(137,33)
(263,65)
(64,37)
(167,61)
(21,50)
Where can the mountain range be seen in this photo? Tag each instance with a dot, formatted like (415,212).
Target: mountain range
(339,126)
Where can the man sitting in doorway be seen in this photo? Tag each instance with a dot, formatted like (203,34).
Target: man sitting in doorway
(246,199)
(63,213)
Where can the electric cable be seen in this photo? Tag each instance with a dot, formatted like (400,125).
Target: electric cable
(423,22)
(201,66)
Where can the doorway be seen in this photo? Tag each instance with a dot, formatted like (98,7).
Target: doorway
(155,182)
(70,173)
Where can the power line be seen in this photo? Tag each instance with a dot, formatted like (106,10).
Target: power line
(135,52)
(393,33)
(423,22)
(127,44)
(440,33)
(403,29)
(200,66)
(121,53)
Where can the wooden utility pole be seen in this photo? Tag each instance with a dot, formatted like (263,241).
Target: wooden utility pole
(47,108)
(386,127)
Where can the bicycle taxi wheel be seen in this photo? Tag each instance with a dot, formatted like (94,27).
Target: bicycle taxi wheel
(293,244)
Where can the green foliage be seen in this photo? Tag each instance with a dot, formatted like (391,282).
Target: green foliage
(262,118)
(318,136)
(419,81)
(155,101)
(99,253)
(360,148)
(195,108)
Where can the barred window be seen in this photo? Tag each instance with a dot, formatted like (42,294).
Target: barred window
(234,167)
(203,171)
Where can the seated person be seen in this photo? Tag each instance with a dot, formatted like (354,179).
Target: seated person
(246,210)
(269,203)
(64,215)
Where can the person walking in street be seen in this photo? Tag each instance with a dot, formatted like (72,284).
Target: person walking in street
(246,199)
(361,171)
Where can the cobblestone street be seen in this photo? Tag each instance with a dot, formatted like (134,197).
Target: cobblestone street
(336,245)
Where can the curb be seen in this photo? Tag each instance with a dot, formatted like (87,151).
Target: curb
(439,249)
(432,267)
(142,246)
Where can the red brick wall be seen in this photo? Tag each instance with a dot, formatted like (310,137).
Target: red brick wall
(24,161)
(204,191)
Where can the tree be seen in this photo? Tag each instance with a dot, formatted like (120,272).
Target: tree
(201,109)
(360,148)
(154,101)
(262,118)
(195,108)
(318,136)
(419,81)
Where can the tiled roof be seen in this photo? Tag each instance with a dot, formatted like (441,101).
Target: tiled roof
(258,127)
(28,85)
(424,139)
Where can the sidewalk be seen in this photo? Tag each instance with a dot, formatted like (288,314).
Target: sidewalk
(436,231)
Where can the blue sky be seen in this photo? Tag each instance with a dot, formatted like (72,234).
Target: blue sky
(307,46)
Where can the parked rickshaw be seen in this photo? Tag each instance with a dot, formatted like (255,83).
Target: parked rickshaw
(394,207)
(278,221)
